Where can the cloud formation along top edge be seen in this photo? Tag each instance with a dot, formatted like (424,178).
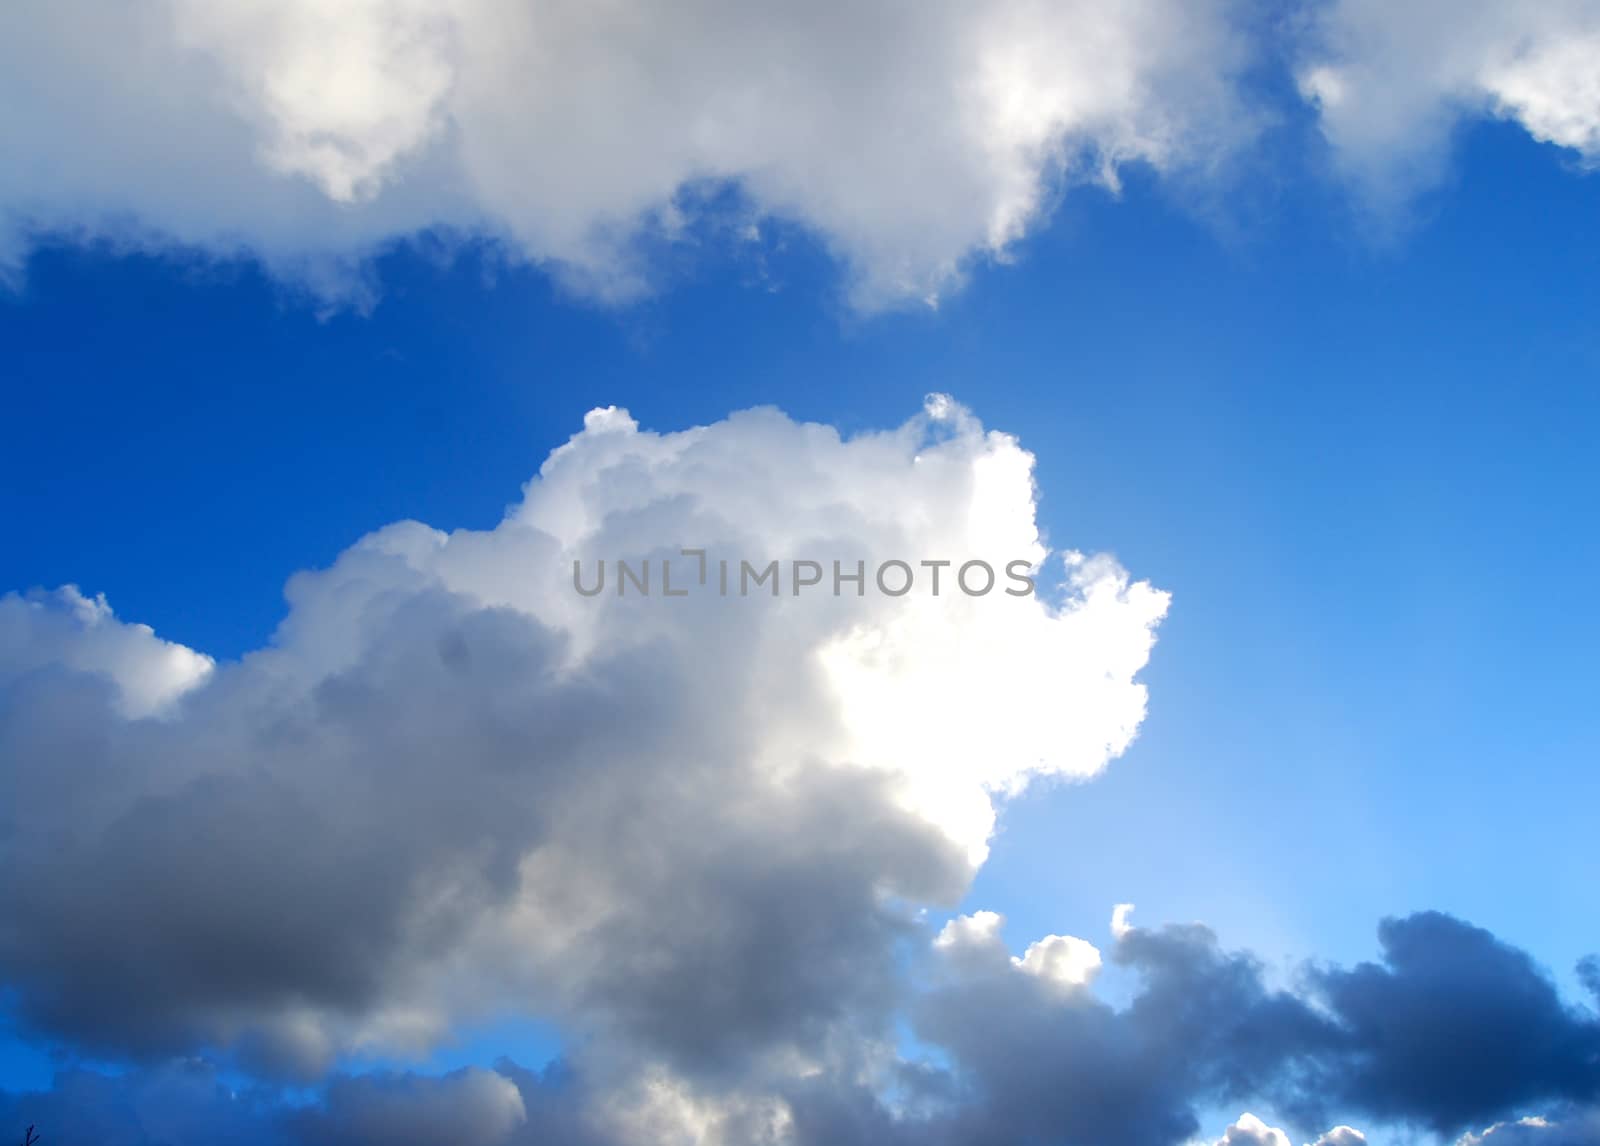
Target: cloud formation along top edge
(913,142)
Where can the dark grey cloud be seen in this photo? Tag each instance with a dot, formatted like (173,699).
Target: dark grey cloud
(1039,1064)
(255,859)
(1022,1060)
(175,1103)
(720,915)
(190,1101)
(1453,1028)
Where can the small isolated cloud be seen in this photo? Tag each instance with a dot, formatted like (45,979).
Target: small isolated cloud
(912,139)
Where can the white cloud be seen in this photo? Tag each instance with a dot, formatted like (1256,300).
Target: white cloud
(66,630)
(1392,80)
(978,931)
(1064,960)
(1342,1136)
(692,830)
(1251,1131)
(973,943)
(911,138)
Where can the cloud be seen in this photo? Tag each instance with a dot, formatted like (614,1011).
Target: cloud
(65,631)
(471,1107)
(1251,1131)
(1072,1069)
(1029,1062)
(913,140)
(694,833)
(1342,1136)
(1455,1027)
(1063,960)
(1574,1128)
(1391,81)
(691,830)
(1020,1059)
(190,1101)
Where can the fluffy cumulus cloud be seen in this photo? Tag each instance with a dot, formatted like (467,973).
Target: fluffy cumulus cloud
(699,833)
(1342,1136)
(1033,1059)
(1392,80)
(692,829)
(65,631)
(910,138)
(1252,1131)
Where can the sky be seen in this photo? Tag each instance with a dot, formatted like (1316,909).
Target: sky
(333,338)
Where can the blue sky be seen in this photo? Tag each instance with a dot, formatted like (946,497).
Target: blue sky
(1355,444)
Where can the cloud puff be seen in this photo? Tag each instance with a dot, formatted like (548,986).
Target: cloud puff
(1342,1136)
(65,631)
(1392,80)
(1251,1131)
(912,139)
(694,828)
